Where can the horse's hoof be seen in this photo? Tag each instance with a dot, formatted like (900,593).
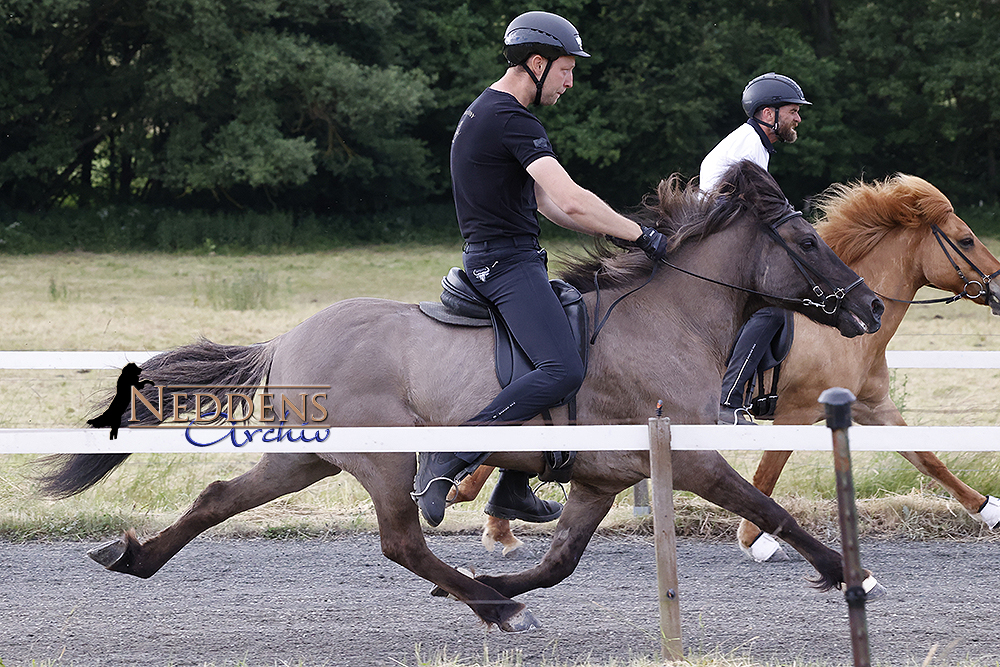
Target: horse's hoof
(989,513)
(877,592)
(108,554)
(522,621)
(765,549)
(519,552)
(874,591)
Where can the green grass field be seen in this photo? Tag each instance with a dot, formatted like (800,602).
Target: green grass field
(82,301)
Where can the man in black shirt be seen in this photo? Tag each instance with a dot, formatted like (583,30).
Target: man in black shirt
(504,172)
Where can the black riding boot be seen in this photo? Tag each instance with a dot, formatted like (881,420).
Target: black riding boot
(513,499)
(437,473)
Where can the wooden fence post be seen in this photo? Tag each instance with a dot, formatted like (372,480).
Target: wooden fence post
(838,418)
(665,537)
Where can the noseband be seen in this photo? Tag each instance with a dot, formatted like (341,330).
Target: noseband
(981,286)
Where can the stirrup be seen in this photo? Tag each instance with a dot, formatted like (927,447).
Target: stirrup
(415,494)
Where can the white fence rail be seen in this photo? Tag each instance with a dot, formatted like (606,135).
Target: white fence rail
(493,438)
(260,438)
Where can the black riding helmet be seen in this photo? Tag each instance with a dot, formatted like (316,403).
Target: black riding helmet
(548,35)
(771,90)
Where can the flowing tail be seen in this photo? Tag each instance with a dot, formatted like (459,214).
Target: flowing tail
(201,363)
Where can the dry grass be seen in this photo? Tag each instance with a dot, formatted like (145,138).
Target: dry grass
(81,301)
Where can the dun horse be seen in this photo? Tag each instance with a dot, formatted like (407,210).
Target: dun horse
(387,364)
(900,234)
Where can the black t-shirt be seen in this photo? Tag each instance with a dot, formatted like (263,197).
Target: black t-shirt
(495,141)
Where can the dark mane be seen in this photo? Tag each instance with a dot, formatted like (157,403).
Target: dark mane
(683,213)
(857,216)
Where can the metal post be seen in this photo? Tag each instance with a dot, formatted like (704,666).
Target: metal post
(640,498)
(664,537)
(838,418)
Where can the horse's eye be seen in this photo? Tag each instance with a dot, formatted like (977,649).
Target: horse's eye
(808,244)
(967,242)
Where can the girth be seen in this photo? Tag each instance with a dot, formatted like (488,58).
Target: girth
(462,305)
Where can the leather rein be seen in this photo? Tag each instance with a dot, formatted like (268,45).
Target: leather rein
(982,286)
(829,302)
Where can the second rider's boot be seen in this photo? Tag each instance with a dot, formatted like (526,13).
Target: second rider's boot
(513,499)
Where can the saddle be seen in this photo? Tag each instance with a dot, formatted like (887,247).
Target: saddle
(462,305)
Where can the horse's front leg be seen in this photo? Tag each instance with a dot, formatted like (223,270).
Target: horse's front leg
(403,542)
(273,476)
(754,542)
(583,513)
(711,477)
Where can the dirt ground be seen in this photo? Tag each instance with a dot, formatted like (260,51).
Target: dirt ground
(340,602)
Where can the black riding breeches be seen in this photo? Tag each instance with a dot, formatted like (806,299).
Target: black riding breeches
(756,346)
(515,281)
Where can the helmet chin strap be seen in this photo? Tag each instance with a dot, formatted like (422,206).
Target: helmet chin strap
(774,127)
(538,82)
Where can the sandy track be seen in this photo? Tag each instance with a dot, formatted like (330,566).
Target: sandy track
(339,602)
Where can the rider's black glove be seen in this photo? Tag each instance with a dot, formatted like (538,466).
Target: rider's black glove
(653,243)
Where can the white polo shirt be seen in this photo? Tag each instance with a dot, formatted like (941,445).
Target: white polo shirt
(747,142)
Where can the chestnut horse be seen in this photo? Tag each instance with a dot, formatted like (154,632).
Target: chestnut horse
(387,364)
(900,234)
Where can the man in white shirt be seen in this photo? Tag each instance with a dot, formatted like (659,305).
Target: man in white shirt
(771,102)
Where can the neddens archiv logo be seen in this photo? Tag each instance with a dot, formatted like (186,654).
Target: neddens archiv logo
(207,405)
(270,410)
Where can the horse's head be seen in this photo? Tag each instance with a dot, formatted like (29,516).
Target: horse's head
(797,269)
(939,244)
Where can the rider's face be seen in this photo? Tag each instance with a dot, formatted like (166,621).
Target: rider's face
(559,80)
(788,120)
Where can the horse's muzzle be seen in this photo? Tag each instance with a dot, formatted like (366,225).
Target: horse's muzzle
(851,324)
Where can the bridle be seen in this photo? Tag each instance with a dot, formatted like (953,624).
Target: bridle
(981,286)
(829,301)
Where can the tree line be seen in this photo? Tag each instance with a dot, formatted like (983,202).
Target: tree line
(338,107)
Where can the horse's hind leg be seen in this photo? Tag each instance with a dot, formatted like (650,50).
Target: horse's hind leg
(273,476)
(985,508)
(403,542)
(470,487)
(495,531)
(583,513)
(754,542)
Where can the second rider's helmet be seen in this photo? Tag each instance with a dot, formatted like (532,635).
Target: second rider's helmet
(546,34)
(771,90)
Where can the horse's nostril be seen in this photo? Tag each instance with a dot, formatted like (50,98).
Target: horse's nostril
(878,307)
